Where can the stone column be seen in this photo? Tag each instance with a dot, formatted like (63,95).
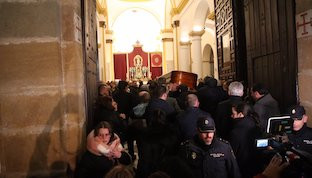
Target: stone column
(176,34)
(185,57)
(168,50)
(109,58)
(196,54)
(42,88)
(304,52)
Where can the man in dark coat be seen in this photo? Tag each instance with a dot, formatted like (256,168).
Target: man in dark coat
(187,120)
(207,155)
(223,120)
(265,105)
(210,95)
(159,102)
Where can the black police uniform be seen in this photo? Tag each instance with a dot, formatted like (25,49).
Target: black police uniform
(216,160)
(302,139)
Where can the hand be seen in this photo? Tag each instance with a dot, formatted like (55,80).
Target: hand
(122,116)
(275,167)
(115,154)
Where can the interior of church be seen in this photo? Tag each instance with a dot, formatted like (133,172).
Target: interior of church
(54,53)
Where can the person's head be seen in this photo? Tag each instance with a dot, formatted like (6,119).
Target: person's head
(106,102)
(236,89)
(192,100)
(258,91)
(104,90)
(206,129)
(120,171)
(298,114)
(122,85)
(225,85)
(210,81)
(144,97)
(241,110)
(103,131)
(161,81)
(161,92)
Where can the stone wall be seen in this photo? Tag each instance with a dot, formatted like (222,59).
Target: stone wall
(304,46)
(42,105)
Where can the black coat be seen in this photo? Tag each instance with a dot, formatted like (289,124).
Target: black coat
(93,166)
(155,143)
(209,97)
(266,107)
(302,139)
(224,122)
(124,101)
(187,121)
(242,140)
(157,103)
(216,160)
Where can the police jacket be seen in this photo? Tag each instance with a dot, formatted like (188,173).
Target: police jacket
(302,139)
(216,160)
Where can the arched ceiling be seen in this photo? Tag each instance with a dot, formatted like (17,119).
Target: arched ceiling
(117,7)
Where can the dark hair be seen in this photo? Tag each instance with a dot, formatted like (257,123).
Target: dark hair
(122,85)
(210,81)
(120,171)
(260,88)
(247,111)
(105,102)
(103,125)
(159,91)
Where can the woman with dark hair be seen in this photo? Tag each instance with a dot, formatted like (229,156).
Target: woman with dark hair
(103,150)
(245,130)
(106,110)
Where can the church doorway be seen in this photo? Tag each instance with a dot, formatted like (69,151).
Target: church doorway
(208,61)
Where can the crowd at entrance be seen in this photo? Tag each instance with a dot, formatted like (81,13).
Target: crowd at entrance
(206,132)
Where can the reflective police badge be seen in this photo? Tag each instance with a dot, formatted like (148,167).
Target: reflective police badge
(194,155)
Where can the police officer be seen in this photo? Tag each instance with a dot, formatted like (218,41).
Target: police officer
(301,137)
(207,155)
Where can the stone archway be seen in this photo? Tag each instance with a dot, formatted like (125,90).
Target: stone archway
(208,61)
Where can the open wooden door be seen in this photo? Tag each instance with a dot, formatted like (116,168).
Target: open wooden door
(90,56)
(230,33)
(271,47)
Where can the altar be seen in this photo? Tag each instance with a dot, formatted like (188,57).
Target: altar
(137,65)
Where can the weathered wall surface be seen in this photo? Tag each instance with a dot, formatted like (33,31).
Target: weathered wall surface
(42,111)
(304,46)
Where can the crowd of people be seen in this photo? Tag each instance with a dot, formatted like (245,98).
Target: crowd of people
(207,131)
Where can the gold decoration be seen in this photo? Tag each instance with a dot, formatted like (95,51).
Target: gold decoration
(178,10)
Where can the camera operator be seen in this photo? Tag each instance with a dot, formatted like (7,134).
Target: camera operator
(301,137)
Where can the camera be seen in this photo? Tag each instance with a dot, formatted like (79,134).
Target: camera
(277,141)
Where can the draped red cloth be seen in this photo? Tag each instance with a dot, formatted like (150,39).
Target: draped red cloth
(120,66)
(156,64)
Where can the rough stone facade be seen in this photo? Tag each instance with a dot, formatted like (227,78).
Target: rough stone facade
(304,46)
(42,88)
